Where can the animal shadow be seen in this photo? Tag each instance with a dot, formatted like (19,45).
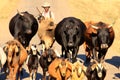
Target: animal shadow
(25,74)
(115,60)
(39,76)
(82,57)
(2,75)
(117,75)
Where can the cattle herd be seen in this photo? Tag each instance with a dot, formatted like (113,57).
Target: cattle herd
(69,33)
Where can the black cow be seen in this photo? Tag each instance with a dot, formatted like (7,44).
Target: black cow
(69,33)
(23,26)
(99,37)
(46,58)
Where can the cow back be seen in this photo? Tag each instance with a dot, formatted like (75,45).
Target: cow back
(23,26)
(76,26)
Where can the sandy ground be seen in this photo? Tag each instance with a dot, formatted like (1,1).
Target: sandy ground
(96,10)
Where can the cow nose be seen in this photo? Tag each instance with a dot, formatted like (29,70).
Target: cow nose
(70,44)
(103,46)
(28,31)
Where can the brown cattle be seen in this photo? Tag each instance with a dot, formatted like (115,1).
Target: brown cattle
(60,69)
(46,33)
(99,36)
(16,55)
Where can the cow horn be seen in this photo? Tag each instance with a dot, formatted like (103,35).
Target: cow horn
(95,27)
(110,26)
(20,13)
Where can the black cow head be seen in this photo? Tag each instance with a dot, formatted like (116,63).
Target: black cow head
(71,31)
(26,22)
(103,35)
(103,38)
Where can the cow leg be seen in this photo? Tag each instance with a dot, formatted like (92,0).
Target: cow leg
(102,54)
(94,42)
(94,54)
(88,56)
(74,54)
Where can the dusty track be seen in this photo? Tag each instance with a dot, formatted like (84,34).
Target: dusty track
(63,8)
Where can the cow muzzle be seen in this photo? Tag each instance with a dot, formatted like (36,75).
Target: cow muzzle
(70,44)
(28,31)
(104,46)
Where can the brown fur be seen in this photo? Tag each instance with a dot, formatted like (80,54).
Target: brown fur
(58,67)
(15,58)
(78,74)
(88,43)
(46,33)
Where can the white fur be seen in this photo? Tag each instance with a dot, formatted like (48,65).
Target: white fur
(2,56)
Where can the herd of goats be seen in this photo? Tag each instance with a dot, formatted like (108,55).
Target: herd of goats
(70,33)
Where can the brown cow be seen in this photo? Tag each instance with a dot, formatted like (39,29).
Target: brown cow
(46,33)
(99,36)
(16,55)
(60,69)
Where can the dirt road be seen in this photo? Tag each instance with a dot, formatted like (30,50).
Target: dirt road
(61,9)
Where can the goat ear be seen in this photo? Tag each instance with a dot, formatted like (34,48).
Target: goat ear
(93,66)
(5,49)
(16,48)
(69,65)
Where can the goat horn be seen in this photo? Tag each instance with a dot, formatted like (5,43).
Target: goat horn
(110,26)
(95,27)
